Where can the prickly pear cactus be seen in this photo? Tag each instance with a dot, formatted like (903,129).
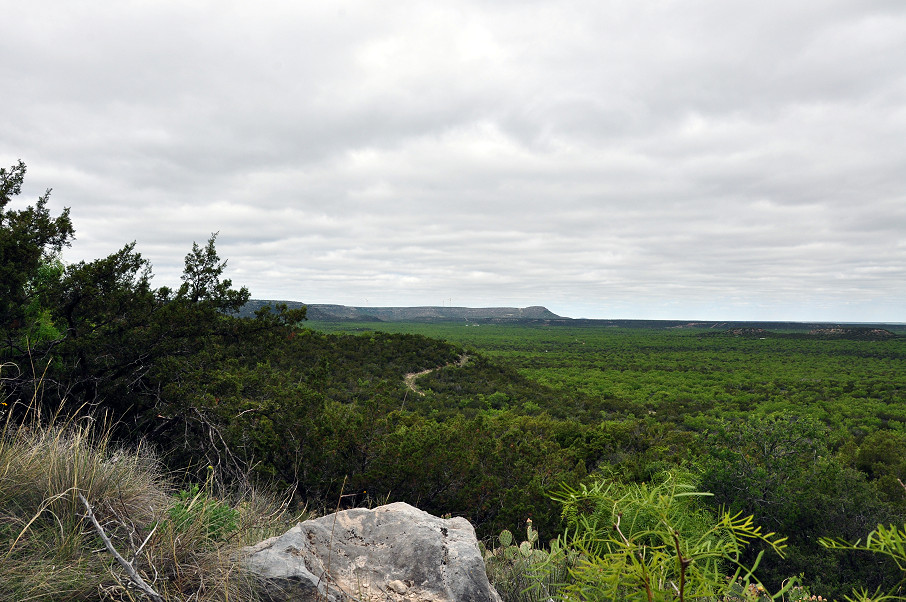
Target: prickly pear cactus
(524,571)
(505,538)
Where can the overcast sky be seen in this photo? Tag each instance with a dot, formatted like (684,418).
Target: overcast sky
(612,159)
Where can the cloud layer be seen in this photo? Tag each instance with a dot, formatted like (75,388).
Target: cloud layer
(606,159)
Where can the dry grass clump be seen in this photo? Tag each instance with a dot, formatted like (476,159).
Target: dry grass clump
(183,543)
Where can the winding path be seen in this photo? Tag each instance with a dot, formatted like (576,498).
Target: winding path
(410,378)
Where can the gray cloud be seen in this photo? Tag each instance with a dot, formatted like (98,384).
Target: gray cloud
(606,159)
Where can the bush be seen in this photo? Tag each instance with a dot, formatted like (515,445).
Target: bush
(884,541)
(525,572)
(655,542)
(781,470)
(195,506)
(184,545)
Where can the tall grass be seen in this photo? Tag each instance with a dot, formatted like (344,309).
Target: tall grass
(185,544)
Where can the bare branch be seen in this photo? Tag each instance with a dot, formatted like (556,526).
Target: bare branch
(144,543)
(130,570)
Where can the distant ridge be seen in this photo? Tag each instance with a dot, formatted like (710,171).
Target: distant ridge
(331,313)
(537,315)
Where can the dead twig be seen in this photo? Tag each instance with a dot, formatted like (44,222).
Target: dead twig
(134,577)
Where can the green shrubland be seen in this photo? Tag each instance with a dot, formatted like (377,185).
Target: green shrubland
(804,433)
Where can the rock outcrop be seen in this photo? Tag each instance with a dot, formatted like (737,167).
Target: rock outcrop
(391,553)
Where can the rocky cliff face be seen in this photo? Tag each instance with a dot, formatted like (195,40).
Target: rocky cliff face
(391,553)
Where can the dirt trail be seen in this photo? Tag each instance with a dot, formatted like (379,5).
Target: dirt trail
(410,378)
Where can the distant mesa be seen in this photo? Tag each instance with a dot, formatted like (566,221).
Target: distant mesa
(337,313)
(537,315)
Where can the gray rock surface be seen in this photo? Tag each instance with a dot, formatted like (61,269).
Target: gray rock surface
(390,553)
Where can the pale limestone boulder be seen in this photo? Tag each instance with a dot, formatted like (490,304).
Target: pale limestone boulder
(391,553)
